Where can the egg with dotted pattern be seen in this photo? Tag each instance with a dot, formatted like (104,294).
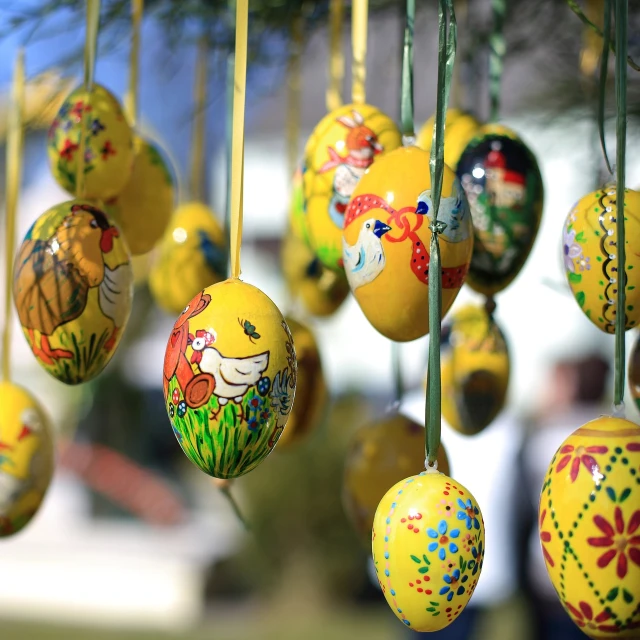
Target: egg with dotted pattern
(591,259)
(589,527)
(428,558)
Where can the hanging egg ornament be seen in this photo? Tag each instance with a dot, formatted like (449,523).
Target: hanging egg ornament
(428,558)
(73,289)
(591,258)
(341,148)
(503,184)
(191,256)
(312,396)
(460,127)
(229,378)
(379,455)
(589,525)
(634,372)
(27,459)
(475,370)
(143,208)
(108,150)
(386,242)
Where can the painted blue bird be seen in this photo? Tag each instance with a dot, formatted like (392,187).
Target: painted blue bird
(453,211)
(365,260)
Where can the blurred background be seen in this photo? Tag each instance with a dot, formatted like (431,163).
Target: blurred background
(166,557)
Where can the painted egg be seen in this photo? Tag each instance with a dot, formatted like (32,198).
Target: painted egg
(379,455)
(591,261)
(320,290)
(475,370)
(387,237)
(428,558)
(192,256)
(634,372)
(338,153)
(73,289)
(504,187)
(108,144)
(229,378)
(589,525)
(312,396)
(26,460)
(460,127)
(143,208)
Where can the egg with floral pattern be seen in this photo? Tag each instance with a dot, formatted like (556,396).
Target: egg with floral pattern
(591,258)
(589,524)
(428,559)
(230,375)
(108,148)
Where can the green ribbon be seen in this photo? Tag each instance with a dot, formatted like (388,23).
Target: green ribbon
(406,104)
(447,41)
(621,9)
(398,381)
(497,49)
(602,91)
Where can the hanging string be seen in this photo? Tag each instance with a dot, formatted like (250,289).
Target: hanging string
(228,147)
(590,54)
(621,9)
(497,49)
(131,97)
(294,84)
(458,97)
(602,90)
(237,147)
(406,103)
(398,381)
(359,19)
(196,177)
(447,40)
(336,57)
(15,134)
(90,46)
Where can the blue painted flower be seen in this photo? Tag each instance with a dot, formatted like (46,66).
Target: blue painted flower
(252,423)
(64,109)
(96,127)
(454,585)
(469,513)
(443,540)
(182,408)
(264,384)
(66,125)
(478,558)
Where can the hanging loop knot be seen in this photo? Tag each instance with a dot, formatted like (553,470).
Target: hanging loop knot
(437,227)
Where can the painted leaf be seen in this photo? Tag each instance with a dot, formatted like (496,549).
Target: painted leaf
(580,297)
(575,278)
(611,493)
(628,598)
(625,494)
(423,569)
(580,238)
(613,594)
(416,559)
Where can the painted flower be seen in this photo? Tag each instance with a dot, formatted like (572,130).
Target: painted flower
(67,125)
(454,584)
(469,513)
(67,150)
(445,508)
(572,249)
(175,396)
(88,155)
(545,536)
(443,541)
(448,566)
(621,544)
(77,110)
(584,263)
(578,455)
(255,402)
(478,558)
(252,423)
(64,109)
(96,127)
(467,543)
(583,617)
(107,150)
(182,408)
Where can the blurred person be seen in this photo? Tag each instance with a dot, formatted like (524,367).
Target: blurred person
(575,394)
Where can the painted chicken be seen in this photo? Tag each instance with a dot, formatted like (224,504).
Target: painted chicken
(56,268)
(364,261)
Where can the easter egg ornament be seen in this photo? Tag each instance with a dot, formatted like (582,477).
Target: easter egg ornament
(344,144)
(230,364)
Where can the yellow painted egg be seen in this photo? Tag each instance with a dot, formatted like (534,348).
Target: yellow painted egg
(387,237)
(73,289)
(634,372)
(589,525)
(108,143)
(321,290)
(143,208)
(229,378)
(26,457)
(503,184)
(475,370)
(191,256)
(591,260)
(460,127)
(379,455)
(312,396)
(341,148)
(428,558)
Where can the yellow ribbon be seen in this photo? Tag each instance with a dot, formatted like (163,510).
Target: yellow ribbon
(237,137)
(13,180)
(359,17)
(196,178)
(131,98)
(90,46)
(336,57)
(293,92)
(591,41)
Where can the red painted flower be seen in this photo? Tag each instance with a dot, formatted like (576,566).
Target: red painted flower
(583,617)
(76,110)
(107,150)
(622,544)
(68,149)
(579,454)
(545,536)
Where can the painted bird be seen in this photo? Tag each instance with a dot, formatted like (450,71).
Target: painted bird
(453,211)
(364,261)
